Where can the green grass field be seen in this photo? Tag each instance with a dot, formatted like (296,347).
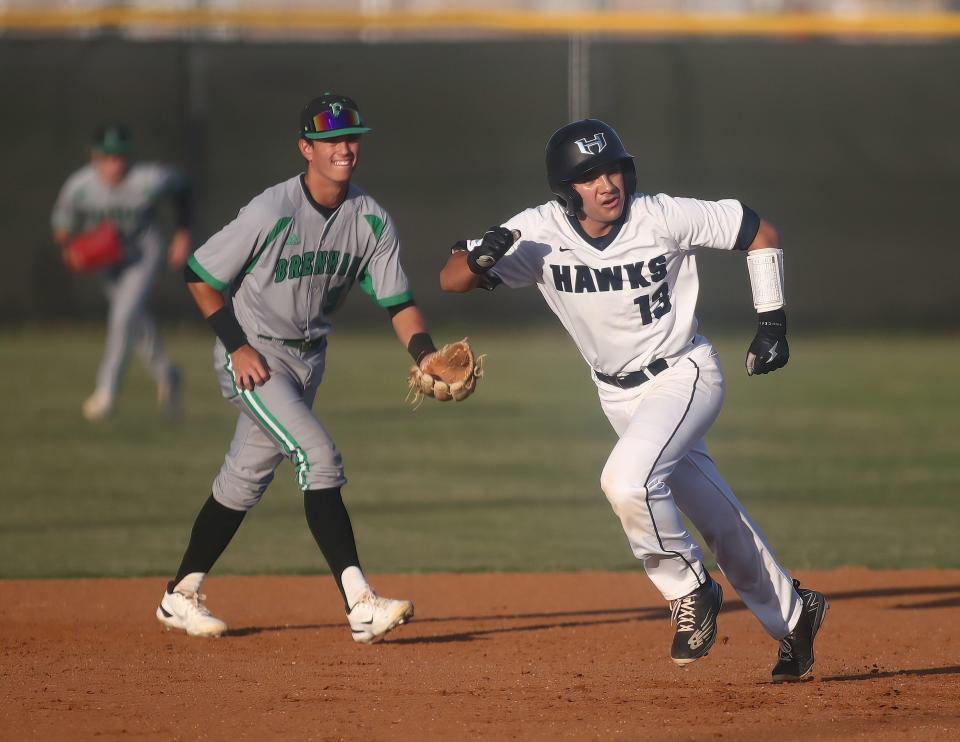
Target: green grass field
(851,455)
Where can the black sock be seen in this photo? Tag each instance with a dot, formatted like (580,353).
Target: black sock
(331,528)
(212,531)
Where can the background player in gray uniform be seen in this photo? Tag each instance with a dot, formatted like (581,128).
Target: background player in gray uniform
(270,283)
(619,270)
(113,188)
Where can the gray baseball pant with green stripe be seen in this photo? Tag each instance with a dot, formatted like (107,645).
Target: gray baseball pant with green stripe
(276,422)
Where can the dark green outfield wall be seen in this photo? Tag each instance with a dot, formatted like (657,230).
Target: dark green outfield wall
(851,149)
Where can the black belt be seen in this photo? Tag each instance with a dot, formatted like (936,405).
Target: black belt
(635,378)
(302,345)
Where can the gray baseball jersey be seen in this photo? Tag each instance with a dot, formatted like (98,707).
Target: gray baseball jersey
(288,267)
(85,201)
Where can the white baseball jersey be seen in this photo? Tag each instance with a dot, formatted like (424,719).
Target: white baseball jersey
(632,302)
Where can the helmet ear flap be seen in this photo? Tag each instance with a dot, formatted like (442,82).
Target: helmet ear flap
(569,199)
(629,171)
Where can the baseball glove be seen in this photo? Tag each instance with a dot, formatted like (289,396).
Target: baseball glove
(91,251)
(449,373)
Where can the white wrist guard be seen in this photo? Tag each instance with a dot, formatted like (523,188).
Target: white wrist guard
(766,278)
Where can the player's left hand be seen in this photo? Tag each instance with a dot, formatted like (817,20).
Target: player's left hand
(449,373)
(769,350)
(179,249)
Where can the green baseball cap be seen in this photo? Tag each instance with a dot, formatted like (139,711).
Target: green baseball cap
(112,139)
(331,115)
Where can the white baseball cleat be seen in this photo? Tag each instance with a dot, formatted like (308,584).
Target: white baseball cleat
(98,406)
(186,611)
(372,616)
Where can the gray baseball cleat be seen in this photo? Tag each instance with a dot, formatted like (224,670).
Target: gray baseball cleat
(371,617)
(795,660)
(695,616)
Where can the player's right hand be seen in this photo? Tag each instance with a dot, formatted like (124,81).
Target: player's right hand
(249,368)
(495,244)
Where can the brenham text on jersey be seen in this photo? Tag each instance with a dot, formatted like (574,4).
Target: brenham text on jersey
(284,263)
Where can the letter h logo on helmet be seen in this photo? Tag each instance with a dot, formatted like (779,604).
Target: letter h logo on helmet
(592,146)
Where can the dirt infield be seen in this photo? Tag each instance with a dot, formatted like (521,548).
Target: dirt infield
(490,656)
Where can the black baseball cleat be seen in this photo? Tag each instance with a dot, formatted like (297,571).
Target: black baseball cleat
(695,616)
(795,661)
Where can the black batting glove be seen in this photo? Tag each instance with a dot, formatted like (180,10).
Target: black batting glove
(769,350)
(496,242)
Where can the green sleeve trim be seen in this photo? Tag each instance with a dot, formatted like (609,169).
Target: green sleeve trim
(392,301)
(366,285)
(281,224)
(376,224)
(205,274)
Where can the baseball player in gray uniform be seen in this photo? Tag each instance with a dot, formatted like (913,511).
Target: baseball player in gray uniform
(618,268)
(112,187)
(270,284)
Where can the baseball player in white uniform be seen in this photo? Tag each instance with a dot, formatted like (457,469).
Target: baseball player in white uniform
(618,268)
(270,283)
(111,187)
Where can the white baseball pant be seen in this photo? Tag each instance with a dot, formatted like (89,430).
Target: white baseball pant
(660,467)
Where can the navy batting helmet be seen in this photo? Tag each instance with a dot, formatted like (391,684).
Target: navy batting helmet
(579,148)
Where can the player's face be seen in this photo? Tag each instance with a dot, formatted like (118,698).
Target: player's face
(332,159)
(602,195)
(110,168)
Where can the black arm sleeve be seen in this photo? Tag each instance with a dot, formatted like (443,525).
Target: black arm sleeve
(226,327)
(420,345)
(749,226)
(397,308)
(190,275)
